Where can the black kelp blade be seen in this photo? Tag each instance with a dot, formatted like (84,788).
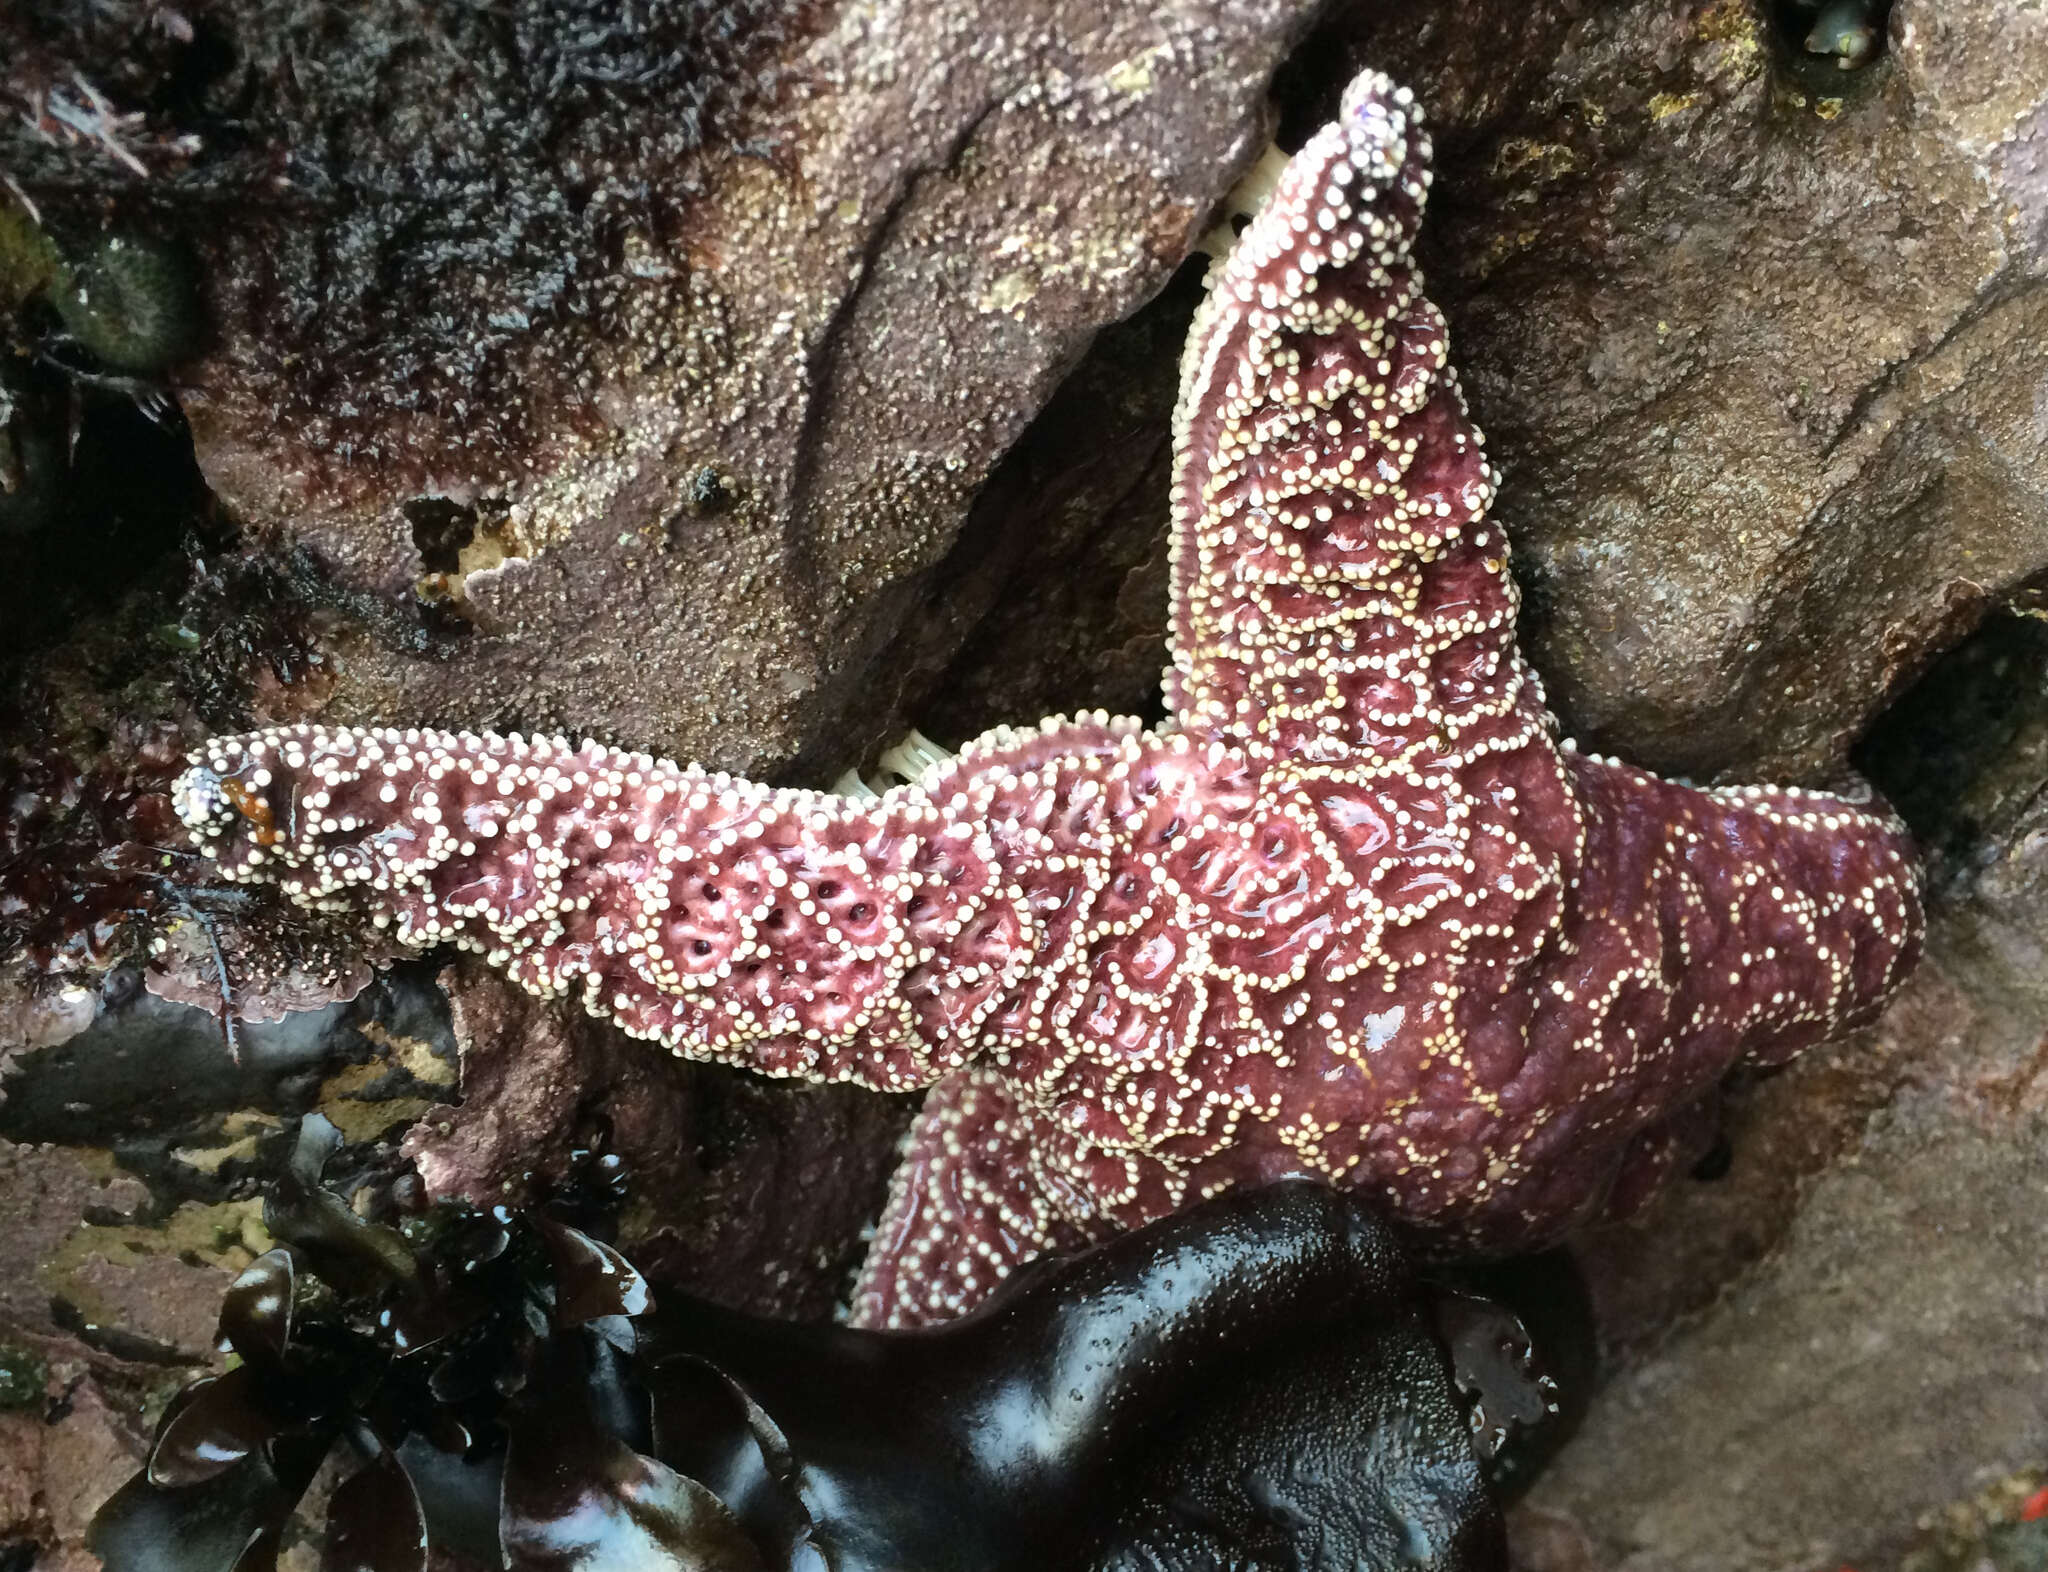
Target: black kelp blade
(229,1523)
(614,1393)
(459,1496)
(1261,1382)
(578,1500)
(706,1426)
(201,1529)
(1546,1299)
(466,1371)
(1331,1453)
(1253,1383)
(591,1278)
(222,1420)
(374,1522)
(256,1316)
(355,1256)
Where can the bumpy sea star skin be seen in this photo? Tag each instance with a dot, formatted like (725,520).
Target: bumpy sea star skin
(1355,912)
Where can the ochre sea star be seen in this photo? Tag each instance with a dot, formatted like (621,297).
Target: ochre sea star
(1354,911)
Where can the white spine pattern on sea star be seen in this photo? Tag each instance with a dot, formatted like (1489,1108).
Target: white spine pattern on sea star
(1356,912)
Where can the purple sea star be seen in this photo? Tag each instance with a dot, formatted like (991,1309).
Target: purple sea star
(1355,911)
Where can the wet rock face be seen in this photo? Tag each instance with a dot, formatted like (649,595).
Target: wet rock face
(644,362)
(668,357)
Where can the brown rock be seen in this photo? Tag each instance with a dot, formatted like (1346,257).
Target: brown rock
(1756,343)
(21,1466)
(669,361)
(54,1472)
(752,1193)
(87,1455)
(44,1193)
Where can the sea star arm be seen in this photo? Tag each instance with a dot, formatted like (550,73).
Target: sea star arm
(1003,904)
(1337,593)
(1042,900)
(1705,930)
(796,933)
(987,1182)
(963,1211)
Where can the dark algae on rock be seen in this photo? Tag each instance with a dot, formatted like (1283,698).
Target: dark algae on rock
(475,173)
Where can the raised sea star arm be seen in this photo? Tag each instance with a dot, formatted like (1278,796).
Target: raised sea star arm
(1537,957)
(1338,596)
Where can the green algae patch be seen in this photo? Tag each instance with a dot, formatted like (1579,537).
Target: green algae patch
(227,1235)
(23,1377)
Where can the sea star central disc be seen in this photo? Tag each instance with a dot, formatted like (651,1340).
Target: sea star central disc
(1354,911)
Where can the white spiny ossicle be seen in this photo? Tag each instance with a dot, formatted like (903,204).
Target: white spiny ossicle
(1355,913)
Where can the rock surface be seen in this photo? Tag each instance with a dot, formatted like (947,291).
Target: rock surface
(666,432)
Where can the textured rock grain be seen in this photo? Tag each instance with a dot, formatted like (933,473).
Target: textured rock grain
(685,492)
